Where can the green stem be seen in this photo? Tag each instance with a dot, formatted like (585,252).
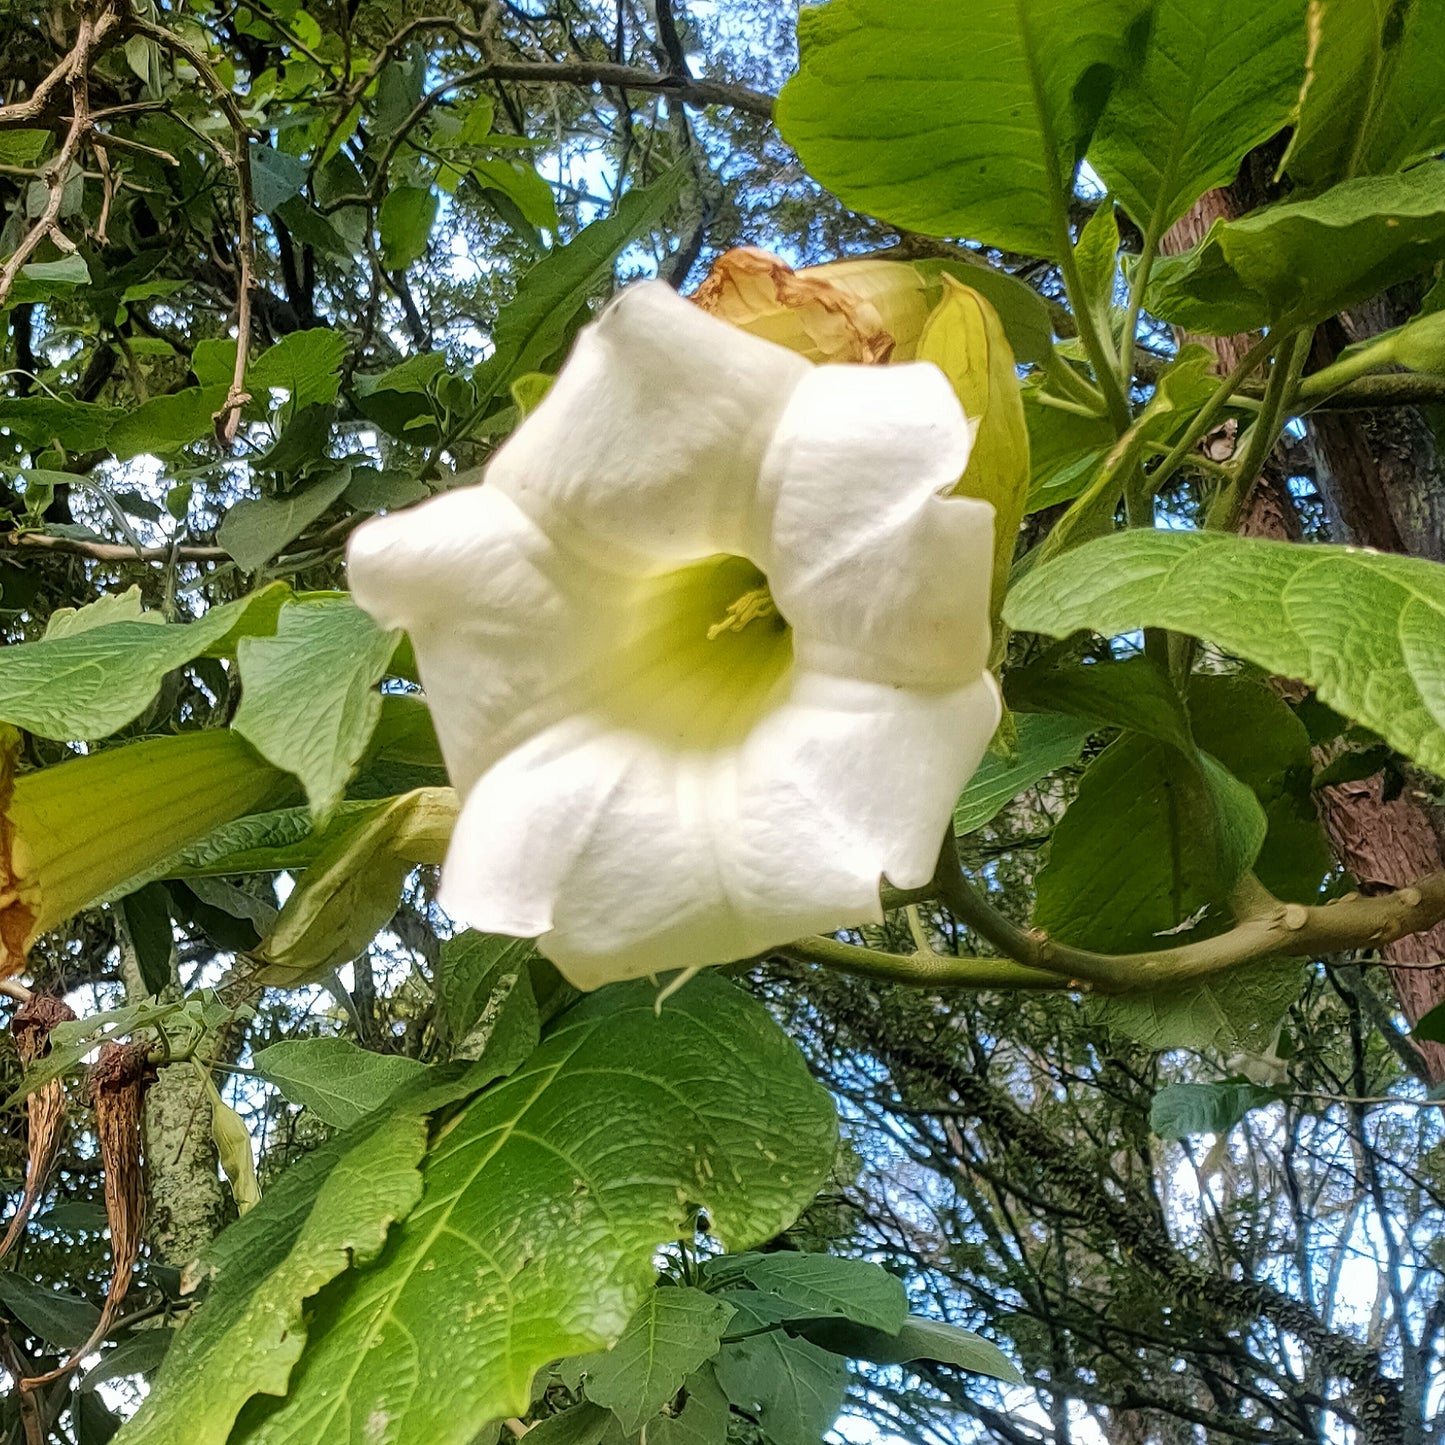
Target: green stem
(1264,928)
(1100,358)
(1136,295)
(1210,412)
(1263,433)
(922,970)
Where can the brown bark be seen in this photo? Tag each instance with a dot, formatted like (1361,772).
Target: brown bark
(1382,480)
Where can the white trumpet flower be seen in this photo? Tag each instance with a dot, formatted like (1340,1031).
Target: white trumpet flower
(706,650)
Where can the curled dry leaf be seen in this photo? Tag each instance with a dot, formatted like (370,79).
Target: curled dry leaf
(31,1027)
(117,1085)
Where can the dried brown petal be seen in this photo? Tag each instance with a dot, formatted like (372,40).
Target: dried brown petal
(825,313)
(45,1108)
(116,1084)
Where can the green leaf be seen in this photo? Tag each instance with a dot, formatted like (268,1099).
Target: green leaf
(794,1390)
(124,606)
(1298,262)
(67,271)
(706,1105)
(1361,628)
(471,968)
(354,884)
(330,1210)
(166,423)
(89,682)
(1096,256)
(55,1316)
(253,532)
(919,1339)
(1372,101)
(309,702)
(275,176)
(147,917)
(307,364)
(818,1285)
(404,225)
(584,1424)
(23,147)
(523,186)
(674,1332)
(1136,695)
(1239,1009)
(1219,78)
(1251,730)
(558,287)
(1179,1111)
(78,426)
(703,1419)
(955,120)
(338,1081)
(1135,856)
(1431,1028)
(139,1353)
(1046,742)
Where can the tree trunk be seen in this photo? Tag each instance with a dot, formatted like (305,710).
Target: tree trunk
(1381,477)
(186,1206)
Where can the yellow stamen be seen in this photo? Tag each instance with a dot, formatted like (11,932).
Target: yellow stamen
(748,608)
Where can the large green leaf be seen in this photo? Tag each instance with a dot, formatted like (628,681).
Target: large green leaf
(1298,262)
(557,288)
(1239,1009)
(821,1285)
(1134,857)
(305,364)
(919,1339)
(56,1316)
(337,1080)
(1138,696)
(955,120)
(328,1212)
(674,1332)
(543,1204)
(1179,1110)
(256,529)
(309,702)
(1045,743)
(472,967)
(793,1389)
(1219,77)
(1247,725)
(1362,628)
(1373,99)
(90,681)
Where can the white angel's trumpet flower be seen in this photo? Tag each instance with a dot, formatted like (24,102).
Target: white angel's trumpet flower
(706,651)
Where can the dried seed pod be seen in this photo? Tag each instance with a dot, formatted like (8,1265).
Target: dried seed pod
(45,1107)
(116,1084)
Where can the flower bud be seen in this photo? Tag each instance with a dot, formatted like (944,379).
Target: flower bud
(850,311)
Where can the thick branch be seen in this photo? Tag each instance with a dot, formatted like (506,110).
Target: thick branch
(1266,928)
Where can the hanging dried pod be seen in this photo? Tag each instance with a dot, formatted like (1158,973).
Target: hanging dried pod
(45,1107)
(116,1084)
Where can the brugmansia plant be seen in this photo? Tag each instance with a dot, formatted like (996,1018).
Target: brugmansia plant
(764,596)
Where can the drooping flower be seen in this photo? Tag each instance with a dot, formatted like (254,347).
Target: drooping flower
(706,649)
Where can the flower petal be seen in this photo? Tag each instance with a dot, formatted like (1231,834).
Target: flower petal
(632,857)
(880,574)
(647,447)
(503,623)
